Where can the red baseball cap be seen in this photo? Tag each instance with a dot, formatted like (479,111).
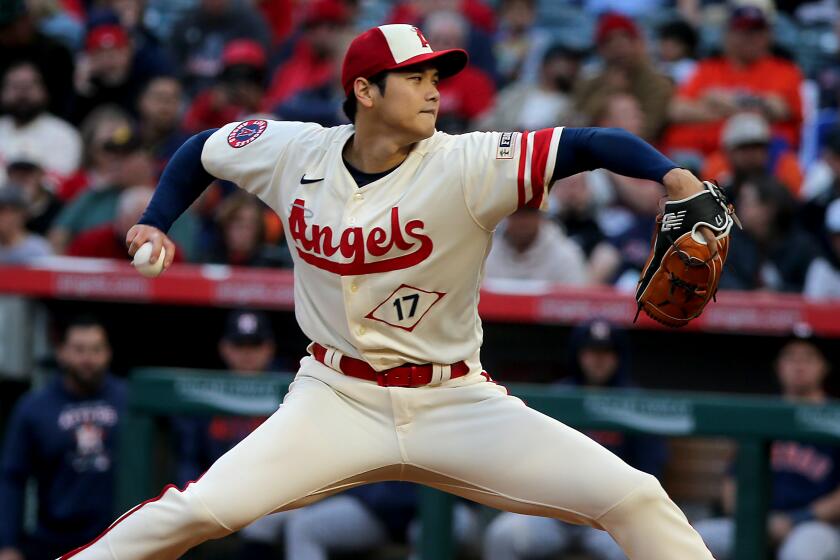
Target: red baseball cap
(244,51)
(326,11)
(611,22)
(108,36)
(389,47)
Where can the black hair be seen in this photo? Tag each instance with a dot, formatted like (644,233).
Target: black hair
(350,105)
(148,85)
(83,322)
(237,73)
(562,50)
(682,32)
(773,193)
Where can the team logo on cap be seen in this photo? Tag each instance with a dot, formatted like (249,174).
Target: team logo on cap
(423,41)
(246,132)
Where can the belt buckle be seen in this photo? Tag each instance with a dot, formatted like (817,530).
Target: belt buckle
(401,376)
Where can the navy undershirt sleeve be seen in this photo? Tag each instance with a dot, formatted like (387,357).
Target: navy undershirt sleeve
(614,149)
(181,183)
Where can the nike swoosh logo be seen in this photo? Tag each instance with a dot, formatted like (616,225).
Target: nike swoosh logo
(305,181)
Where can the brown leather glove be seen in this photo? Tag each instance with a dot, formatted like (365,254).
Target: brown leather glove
(681,274)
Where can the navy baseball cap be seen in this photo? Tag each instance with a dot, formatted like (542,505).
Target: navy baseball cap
(802,332)
(248,327)
(600,334)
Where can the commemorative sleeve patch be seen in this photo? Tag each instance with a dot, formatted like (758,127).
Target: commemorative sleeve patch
(505,147)
(246,132)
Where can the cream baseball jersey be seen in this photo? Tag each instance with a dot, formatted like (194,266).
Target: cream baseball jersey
(390,272)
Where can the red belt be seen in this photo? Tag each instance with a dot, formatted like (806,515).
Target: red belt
(408,375)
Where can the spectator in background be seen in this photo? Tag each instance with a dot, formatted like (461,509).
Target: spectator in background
(159,122)
(627,69)
(628,207)
(150,55)
(827,77)
(805,478)
(97,129)
(822,184)
(481,25)
(64,436)
(108,240)
(279,15)
(576,210)
(124,164)
(42,206)
(57,22)
(477,12)
(110,72)
(27,127)
(547,103)
(771,252)
(529,246)
(238,93)
(17,246)
(747,77)
(823,278)
(519,45)
(242,233)
(749,150)
(316,59)
(600,358)
(20,41)
(468,95)
(677,50)
(200,37)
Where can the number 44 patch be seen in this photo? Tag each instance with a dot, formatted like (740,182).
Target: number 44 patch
(405,307)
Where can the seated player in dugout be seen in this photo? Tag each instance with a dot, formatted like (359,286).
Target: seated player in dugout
(389,222)
(804,477)
(599,357)
(248,350)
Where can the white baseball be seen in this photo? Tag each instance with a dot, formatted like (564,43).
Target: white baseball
(141,260)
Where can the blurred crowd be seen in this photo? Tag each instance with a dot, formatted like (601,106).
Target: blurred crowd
(96,96)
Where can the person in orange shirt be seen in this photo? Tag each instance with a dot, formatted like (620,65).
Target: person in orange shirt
(746,77)
(748,149)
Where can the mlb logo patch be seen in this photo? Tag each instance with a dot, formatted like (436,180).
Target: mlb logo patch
(505,149)
(246,132)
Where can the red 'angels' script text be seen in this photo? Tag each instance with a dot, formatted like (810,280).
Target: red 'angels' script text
(317,240)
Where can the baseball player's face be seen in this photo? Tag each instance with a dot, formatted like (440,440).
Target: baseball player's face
(85,356)
(598,364)
(411,102)
(247,358)
(801,369)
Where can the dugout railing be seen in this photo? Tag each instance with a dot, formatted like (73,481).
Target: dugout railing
(751,421)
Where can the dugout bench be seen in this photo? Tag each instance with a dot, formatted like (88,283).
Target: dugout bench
(751,421)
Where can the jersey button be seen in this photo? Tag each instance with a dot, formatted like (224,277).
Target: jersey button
(361,331)
(354,288)
(351,221)
(358,196)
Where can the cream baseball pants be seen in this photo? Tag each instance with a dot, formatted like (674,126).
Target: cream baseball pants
(466,436)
